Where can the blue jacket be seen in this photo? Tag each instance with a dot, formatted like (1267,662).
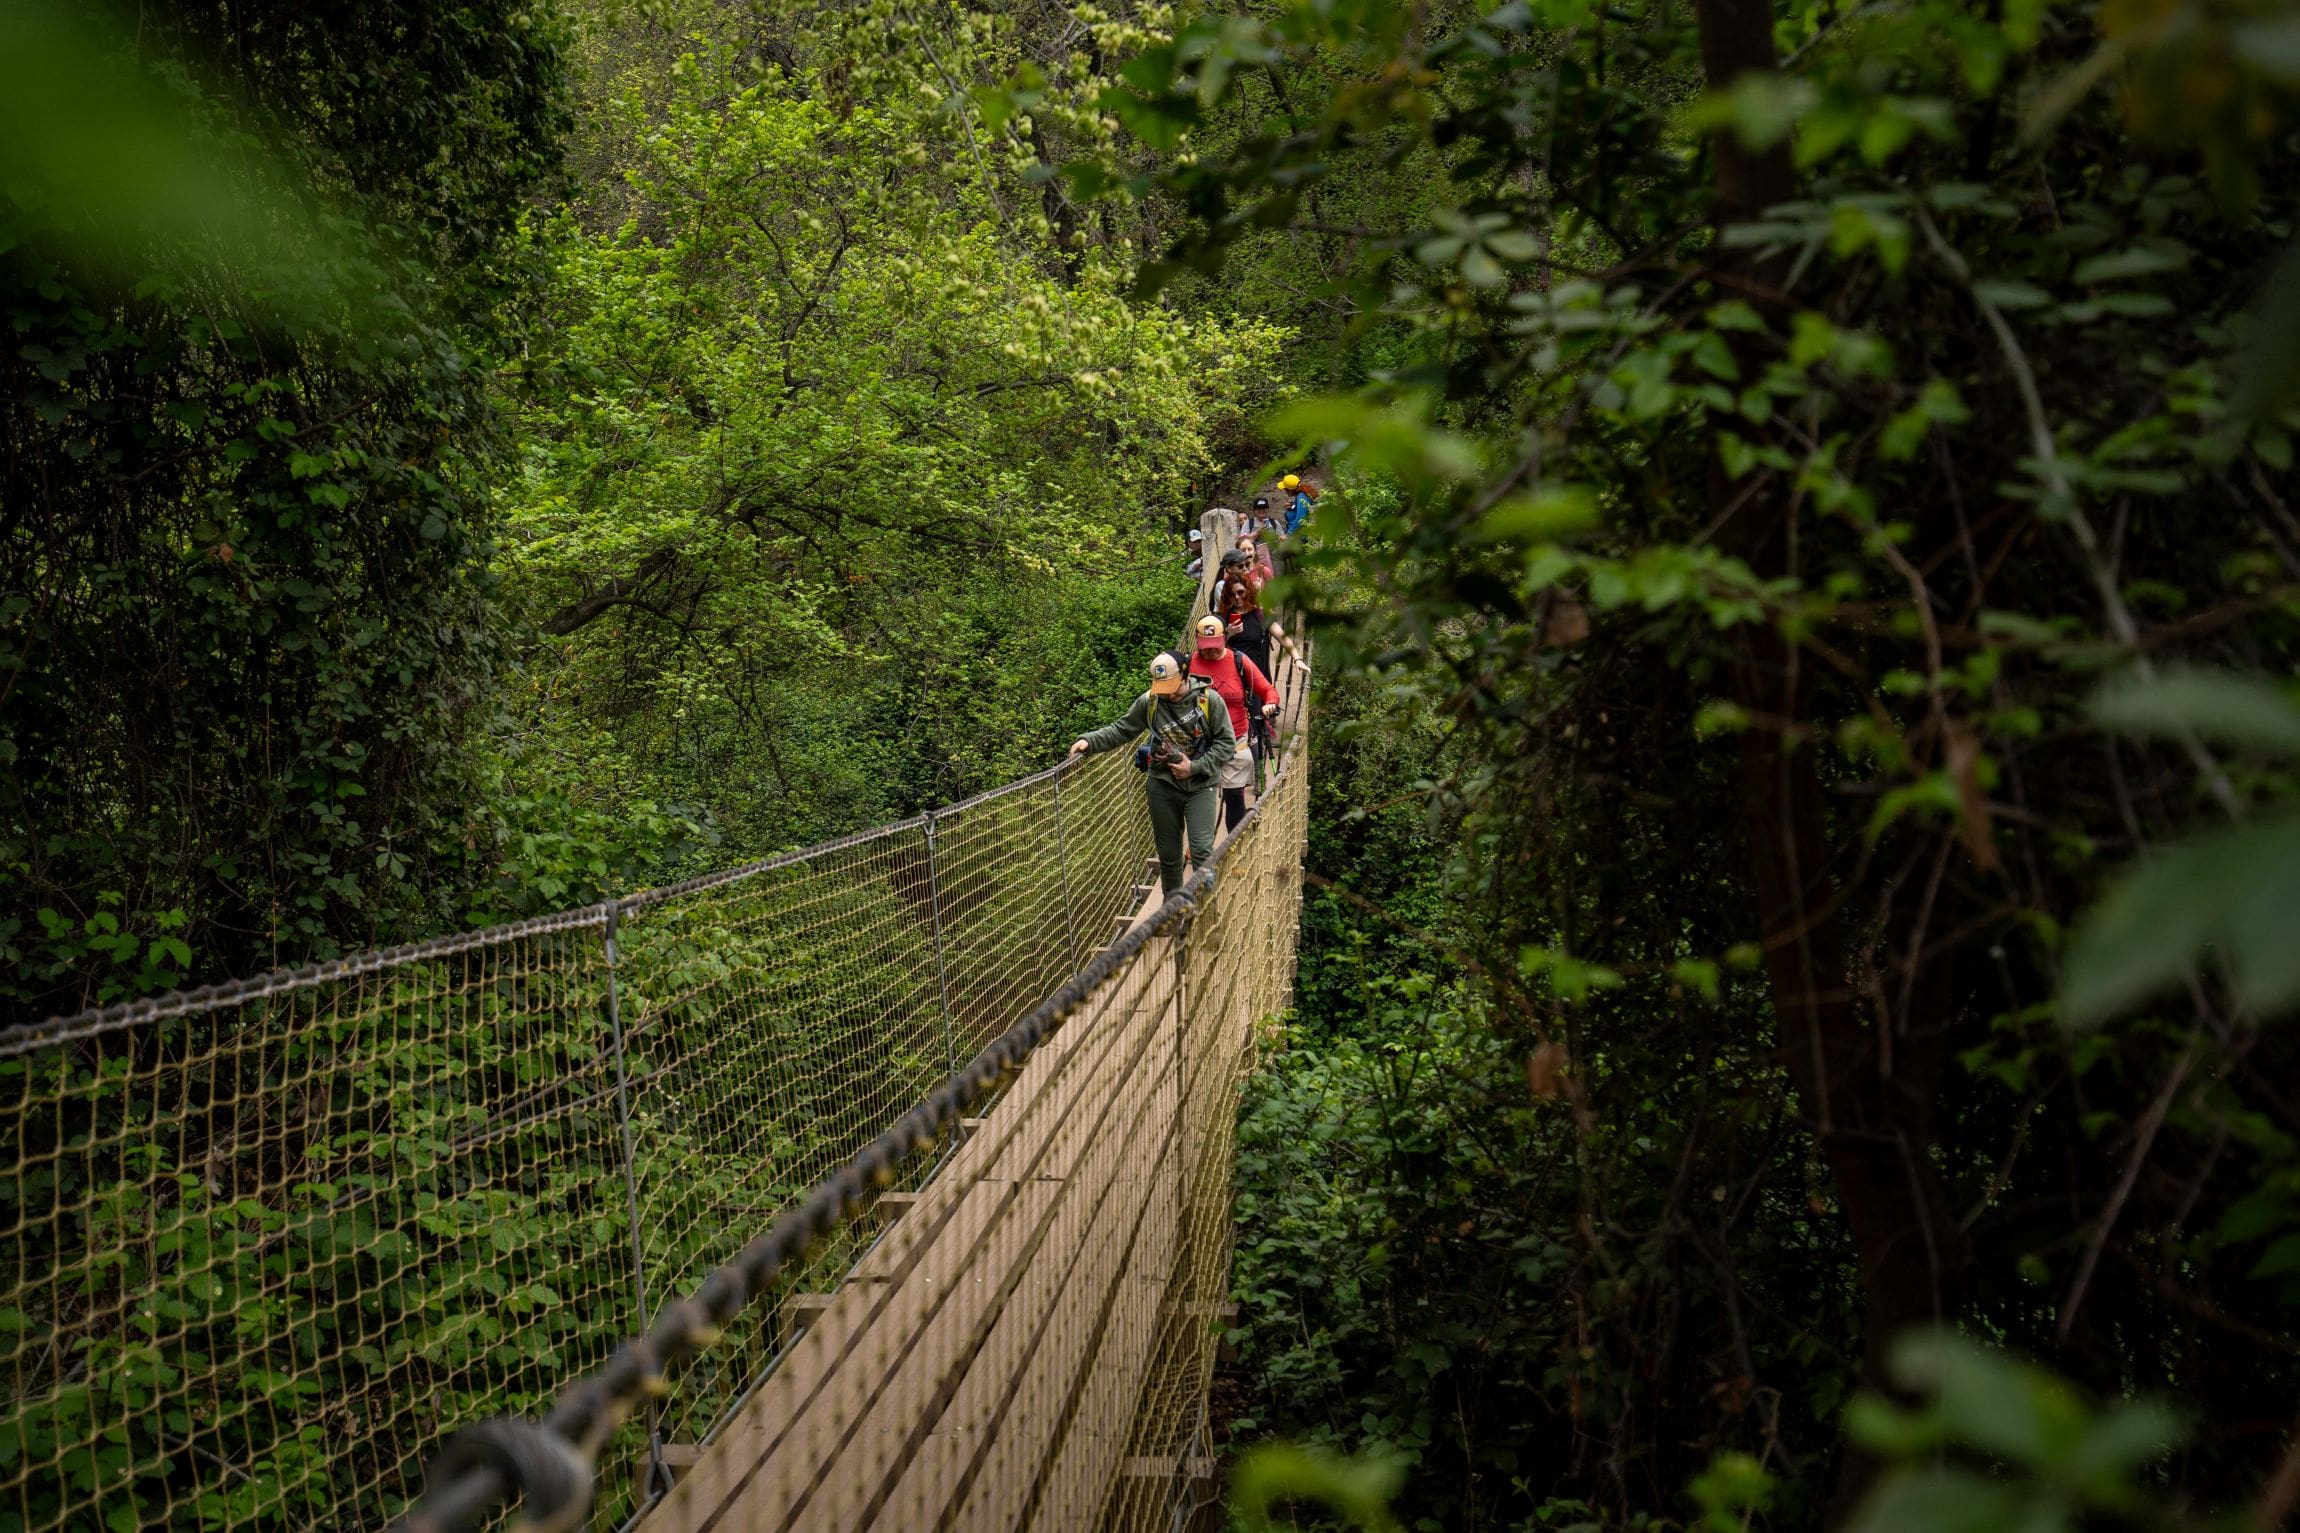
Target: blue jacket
(1297,512)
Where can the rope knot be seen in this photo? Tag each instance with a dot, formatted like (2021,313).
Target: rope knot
(552,1477)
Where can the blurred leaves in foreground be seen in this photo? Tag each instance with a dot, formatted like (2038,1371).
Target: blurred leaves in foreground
(114,161)
(1358,1489)
(2233,892)
(2061,1461)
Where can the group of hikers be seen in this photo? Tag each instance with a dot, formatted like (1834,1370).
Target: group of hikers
(1211,712)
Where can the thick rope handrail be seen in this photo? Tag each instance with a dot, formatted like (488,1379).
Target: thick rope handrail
(456,1131)
(23,1037)
(516,1457)
(783,860)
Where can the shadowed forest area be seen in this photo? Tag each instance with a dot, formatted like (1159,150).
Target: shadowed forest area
(1794,1019)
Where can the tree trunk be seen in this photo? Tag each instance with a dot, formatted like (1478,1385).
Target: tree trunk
(1864,1084)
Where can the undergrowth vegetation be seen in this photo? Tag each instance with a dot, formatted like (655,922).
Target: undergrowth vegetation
(1793,1027)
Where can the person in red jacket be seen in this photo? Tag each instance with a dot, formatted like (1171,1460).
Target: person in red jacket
(1253,703)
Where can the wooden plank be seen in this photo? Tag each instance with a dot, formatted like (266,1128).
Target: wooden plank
(1169,1467)
(1064,1370)
(1042,1399)
(1184,1351)
(891,1206)
(989,1445)
(981,1419)
(779,1407)
(801,1310)
(836,1480)
(853,1487)
(995,1352)
(1101,1421)
(767,1458)
(974,1154)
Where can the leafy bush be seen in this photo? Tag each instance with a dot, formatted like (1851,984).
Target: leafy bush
(242,573)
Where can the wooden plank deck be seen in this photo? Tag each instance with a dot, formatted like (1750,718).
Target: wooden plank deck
(879,1416)
(983,1367)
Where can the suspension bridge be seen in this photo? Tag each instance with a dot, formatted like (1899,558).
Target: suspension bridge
(884,1184)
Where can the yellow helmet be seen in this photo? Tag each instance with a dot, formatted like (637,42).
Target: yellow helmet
(1290,482)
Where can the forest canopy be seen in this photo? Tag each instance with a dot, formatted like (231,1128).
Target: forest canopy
(1794,1020)
(652,454)
(1813,519)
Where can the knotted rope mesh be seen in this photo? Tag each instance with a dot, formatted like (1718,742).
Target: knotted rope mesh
(1029,1342)
(263,1246)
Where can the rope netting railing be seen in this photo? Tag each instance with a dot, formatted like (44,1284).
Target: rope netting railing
(1029,1341)
(263,1244)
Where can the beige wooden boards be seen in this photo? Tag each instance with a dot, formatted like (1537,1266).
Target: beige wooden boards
(1028,1343)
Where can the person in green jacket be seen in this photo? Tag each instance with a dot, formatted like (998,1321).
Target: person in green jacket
(1190,741)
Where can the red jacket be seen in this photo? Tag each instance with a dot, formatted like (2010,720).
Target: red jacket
(1221,673)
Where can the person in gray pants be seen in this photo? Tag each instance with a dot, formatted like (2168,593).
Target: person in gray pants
(1190,742)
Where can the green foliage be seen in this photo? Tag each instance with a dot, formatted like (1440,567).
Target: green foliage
(2232,891)
(268,1256)
(128,181)
(1754,477)
(1731,1493)
(1358,1489)
(548,843)
(223,1294)
(2064,1461)
(836,498)
(1409,1264)
(242,582)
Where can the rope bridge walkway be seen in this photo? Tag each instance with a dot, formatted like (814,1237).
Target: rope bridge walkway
(264,1246)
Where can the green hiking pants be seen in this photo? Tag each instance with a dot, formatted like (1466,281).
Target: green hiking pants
(1172,807)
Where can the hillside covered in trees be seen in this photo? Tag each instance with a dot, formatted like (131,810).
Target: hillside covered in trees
(1794,1020)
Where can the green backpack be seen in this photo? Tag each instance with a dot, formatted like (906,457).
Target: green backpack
(1206,704)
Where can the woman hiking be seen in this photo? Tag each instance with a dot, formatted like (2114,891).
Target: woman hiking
(1253,702)
(1191,741)
(1238,603)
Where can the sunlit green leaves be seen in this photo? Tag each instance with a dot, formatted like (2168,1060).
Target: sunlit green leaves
(1396,438)
(1356,1490)
(798,411)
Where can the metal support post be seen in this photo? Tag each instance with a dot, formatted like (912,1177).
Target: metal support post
(655,1472)
(941,968)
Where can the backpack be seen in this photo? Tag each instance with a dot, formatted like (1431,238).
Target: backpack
(1206,702)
